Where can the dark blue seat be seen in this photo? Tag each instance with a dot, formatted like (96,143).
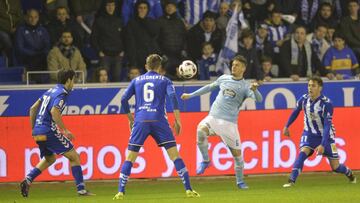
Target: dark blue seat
(12,75)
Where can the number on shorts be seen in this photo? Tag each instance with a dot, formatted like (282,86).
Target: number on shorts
(303,139)
(44,104)
(148,93)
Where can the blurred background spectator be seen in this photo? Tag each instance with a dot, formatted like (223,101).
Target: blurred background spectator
(141,36)
(100,75)
(172,37)
(32,44)
(10,18)
(340,60)
(65,55)
(107,39)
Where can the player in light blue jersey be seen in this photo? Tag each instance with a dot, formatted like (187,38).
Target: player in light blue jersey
(51,135)
(319,131)
(150,90)
(223,116)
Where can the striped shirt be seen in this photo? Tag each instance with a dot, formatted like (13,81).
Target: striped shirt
(317,117)
(277,33)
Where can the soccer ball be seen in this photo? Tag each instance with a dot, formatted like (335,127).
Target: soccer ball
(187,69)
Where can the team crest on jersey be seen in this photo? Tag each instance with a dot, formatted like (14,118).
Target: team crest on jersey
(61,103)
(229,93)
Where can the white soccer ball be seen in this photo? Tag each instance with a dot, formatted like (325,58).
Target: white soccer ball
(187,69)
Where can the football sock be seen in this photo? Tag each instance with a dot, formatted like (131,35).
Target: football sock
(183,173)
(239,166)
(298,166)
(202,143)
(79,179)
(343,169)
(124,175)
(35,172)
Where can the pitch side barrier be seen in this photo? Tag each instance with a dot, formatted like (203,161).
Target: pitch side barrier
(102,132)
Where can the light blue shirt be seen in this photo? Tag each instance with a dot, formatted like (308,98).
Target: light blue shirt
(230,98)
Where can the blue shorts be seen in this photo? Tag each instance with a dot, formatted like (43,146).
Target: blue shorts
(160,131)
(312,142)
(55,143)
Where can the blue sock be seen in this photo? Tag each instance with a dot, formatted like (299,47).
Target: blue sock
(343,169)
(298,166)
(124,175)
(183,173)
(79,179)
(35,172)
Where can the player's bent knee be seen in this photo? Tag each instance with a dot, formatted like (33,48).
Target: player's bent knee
(73,156)
(50,159)
(173,153)
(203,128)
(235,152)
(131,156)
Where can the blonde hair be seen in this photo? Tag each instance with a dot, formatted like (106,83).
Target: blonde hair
(153,61)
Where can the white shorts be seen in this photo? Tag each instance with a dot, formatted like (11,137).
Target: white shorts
(228,131)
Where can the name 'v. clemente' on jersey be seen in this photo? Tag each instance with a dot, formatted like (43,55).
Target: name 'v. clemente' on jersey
(150,90)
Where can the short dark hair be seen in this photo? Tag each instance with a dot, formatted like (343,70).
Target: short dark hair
(239,58)
(317,79)
(266,59)
(206,43)
(246,33)
(153,61)
(321,25)
(64,75)
(325,4)
(338,34)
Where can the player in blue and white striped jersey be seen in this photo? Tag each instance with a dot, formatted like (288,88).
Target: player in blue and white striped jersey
(319,131)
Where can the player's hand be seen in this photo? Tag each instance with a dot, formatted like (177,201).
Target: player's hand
(185,96)
(339,76)
(295,77)
(320,150)
(286,132)
(254,86)
(177,127)
(69,135)
(331,76)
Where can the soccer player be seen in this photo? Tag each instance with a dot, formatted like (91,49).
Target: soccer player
(319,131)
(51,135)
(222,118)
(150,90)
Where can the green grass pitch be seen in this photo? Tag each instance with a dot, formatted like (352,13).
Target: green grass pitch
(314,187)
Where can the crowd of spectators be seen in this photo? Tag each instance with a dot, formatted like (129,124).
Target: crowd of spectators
(108,40)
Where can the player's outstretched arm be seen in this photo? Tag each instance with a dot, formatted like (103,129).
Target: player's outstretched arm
(33,110)
(201,91)
(56,116)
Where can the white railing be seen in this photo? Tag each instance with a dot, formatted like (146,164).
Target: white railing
(28,73)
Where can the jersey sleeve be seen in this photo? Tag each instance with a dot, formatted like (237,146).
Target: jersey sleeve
(129,92)
(256,95)
(58,102)
(296,111)
(170,92)
(207,88)
(328,114)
